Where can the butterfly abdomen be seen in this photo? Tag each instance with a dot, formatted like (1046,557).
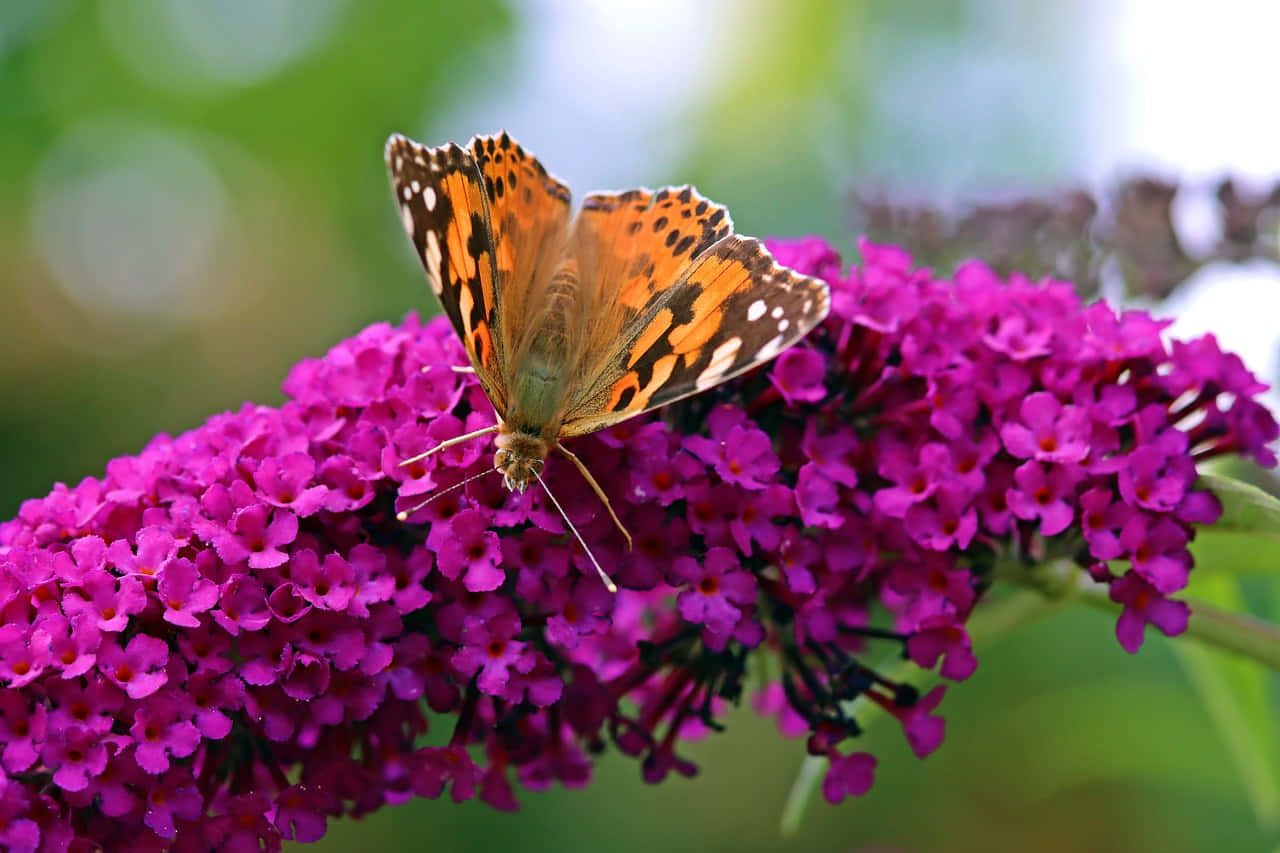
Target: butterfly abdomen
(540,384)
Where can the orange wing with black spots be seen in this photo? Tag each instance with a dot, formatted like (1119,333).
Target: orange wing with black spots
(529,216)
(633,244)
(489,223)
(728,309)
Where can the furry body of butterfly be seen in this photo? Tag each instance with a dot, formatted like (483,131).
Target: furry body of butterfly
(573,324)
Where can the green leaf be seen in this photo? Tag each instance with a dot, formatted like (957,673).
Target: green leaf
(1230,553)
(1245,507)
(1246,540)
(1235,693)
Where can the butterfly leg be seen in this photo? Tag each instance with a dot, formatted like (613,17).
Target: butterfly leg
(449,443)
(596,488)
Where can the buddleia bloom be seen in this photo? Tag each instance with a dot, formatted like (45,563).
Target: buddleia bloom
(229,638)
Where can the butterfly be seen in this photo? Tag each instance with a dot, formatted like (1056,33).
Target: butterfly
(575,322)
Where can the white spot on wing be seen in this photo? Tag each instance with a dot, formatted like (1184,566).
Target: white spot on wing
(721,361)
(407,218)
(783,325)
(429,198)
(776,313)
(432,257)
(756,311)
(770,349)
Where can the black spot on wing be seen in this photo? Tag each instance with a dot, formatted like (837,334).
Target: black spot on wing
(625,398)
(681,304)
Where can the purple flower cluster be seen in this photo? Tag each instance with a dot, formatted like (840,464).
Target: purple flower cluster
(229,638)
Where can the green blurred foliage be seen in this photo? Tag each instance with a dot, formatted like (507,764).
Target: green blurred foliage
(1061,742)
(311,247)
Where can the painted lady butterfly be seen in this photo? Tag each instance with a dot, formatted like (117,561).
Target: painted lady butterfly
(573,324)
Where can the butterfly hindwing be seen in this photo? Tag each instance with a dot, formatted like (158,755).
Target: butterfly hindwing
(732,307)
(445,209)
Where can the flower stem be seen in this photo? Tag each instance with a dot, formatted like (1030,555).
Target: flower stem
(1214,626)
(1229,630)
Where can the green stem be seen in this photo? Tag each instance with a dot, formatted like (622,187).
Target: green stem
(1240,633)
(814,767)
(1232,631)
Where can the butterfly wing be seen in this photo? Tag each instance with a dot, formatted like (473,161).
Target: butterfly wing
(529,216)
(481,219)
(683,304)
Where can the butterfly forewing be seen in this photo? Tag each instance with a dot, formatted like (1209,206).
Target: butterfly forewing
(529,218)
(445,210)
(631,244)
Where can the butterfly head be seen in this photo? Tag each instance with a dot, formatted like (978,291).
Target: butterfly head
(520,458)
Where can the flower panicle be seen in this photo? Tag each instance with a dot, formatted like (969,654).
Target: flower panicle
(230,637)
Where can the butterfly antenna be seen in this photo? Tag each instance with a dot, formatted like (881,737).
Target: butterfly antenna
(403,515)
(608,582)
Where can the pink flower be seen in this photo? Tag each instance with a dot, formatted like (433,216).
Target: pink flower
(138,668)
(230,639)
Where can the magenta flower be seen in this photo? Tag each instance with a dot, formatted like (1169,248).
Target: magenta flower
(718,591)
(848,776)
(947,641)
(741,455)
(493,654)
(1048,431)
(230,639)
(138,668)
(156,546)
(173,797)
(798,375)
(1157,547)
(1144,605)
(76,754)
(109,600)
(1154,480)
(466,547)
(1044,493)
(185,594)
(915,473)
(162,730)
(256,534)
(22,728)
(285,481)
(18,832)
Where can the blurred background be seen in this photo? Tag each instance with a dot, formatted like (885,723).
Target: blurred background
(192,197)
